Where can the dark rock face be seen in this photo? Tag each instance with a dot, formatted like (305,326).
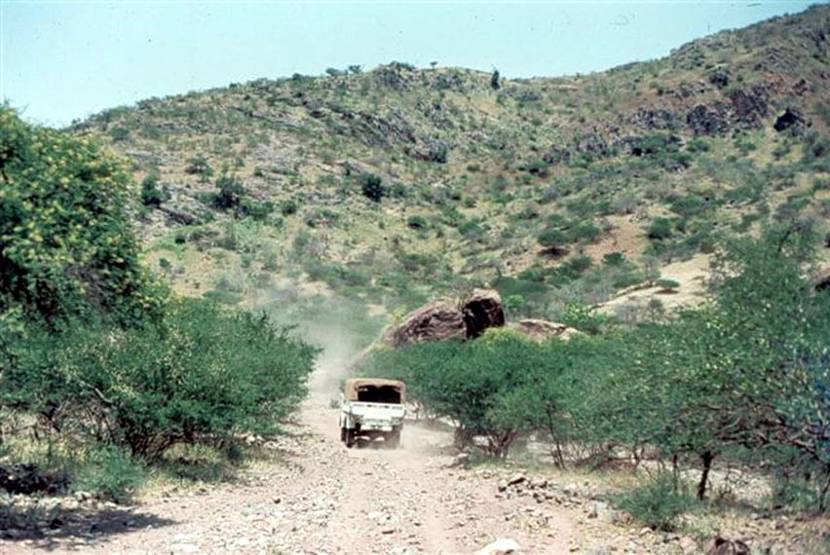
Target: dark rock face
(178,216)
(396,76)
(482,309)
(708,120)
(451,80)
(646,146)
(749,106)
(688,89)
(436,321)
(791,120)
(656,119)
(592,143)
(719,78)
(377,131)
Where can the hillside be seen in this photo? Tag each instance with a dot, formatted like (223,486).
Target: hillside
(138,414)
(390,186)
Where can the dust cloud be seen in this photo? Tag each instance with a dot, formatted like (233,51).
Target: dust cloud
(341,328)
(339,350)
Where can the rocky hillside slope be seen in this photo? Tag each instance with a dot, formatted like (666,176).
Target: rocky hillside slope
(391,185)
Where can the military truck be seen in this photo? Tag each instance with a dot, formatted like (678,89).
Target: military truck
(371,408)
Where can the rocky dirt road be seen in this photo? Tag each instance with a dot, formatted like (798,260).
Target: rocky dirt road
(319,497)
(314,496)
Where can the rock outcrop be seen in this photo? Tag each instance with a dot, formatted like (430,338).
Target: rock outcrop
(442,320)
(542,330)
(483,309)
(478,312)
(436,321)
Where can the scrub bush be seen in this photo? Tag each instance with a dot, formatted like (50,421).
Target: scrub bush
(658,503)
(201,374)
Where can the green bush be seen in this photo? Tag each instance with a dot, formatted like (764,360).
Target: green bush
(230,192)
(584,230)
(614,259)
(372,186)
(199,165)
(223,297)
(201,374)
(667,284)
(289,207)
(552,238)
(151,193)
(110,472)
(256,210)
(416,222)
(574,267)
(468,383)
(472,229)
(659,229)
(657,503)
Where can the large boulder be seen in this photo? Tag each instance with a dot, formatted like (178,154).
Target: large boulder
(436,321)
(483,309)
(441,320)
(542,330)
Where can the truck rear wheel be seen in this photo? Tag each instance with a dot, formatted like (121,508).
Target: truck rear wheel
(393,439)
(350,438)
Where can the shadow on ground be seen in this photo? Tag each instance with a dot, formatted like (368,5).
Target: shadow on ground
(60,528)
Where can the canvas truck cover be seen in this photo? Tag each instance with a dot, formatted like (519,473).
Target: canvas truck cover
(375,390)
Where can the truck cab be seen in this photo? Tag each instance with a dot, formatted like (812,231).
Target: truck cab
(372,408)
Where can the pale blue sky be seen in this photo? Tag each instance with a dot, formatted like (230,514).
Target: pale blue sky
(66,60)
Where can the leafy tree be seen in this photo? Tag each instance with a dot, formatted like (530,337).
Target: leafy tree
(480,384)
(66,245)
(230,192)
(745,375)
(495,82)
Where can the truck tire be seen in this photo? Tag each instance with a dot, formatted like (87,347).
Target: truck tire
(350,438)
(343,434)
(393,439)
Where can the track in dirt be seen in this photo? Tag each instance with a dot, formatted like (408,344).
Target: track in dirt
(313,495)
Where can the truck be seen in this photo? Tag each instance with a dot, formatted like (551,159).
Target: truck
(371,408)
